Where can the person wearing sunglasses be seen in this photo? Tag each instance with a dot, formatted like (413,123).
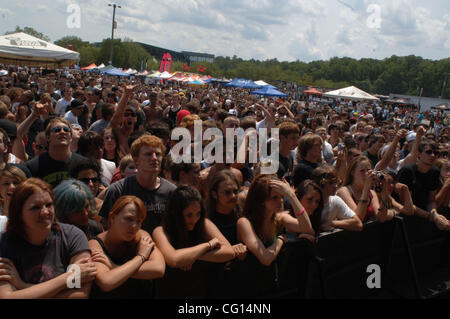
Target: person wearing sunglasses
(40,144)
(422,179)
(88,171)
(52,166)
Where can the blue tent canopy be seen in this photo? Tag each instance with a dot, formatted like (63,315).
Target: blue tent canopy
(243,83)
(268,91)
(116,72)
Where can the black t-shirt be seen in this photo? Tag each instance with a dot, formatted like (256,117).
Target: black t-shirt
(373,158)
(227,225)
(285,166)
(37,264)
(155,200)
(303,171)
(50,170)
(419,184)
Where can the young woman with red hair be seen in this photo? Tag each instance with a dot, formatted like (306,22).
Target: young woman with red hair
(125,255)
(35,250)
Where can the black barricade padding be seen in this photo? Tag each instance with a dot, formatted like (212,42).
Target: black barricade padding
(194,284)
(251,279)
(425,273)
(293,267)
(345,257)
(408,250)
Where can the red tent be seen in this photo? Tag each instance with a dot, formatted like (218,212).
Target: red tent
(89,67)
(312,91)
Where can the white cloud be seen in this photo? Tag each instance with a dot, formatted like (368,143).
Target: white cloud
(263,29)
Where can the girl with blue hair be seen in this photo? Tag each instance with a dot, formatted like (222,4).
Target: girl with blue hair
(74,204)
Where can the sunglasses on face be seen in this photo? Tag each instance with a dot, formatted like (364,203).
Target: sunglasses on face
(94,180)
(431,152)
(231,191)
(130,115)
(41,147)
(57,129)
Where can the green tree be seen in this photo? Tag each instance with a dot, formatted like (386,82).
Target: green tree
(30,31)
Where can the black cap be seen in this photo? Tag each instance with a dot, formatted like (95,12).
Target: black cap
(76,103)
(10,128)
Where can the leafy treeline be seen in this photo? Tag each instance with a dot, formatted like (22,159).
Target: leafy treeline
(402,75)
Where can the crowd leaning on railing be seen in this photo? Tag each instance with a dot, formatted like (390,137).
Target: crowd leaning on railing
(93,203)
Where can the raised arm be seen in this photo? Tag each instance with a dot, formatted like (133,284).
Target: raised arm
(412,156)
(303,224)
(359,207)
(116,120)
(391,150)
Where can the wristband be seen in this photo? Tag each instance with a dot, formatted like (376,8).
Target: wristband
(281,238)
(432,215)
(300,213)
(143,258)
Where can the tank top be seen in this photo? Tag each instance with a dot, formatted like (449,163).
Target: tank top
(370,213)
(130,289)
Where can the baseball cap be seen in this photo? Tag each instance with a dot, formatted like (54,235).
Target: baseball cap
(411,137)
(181,114)
(9,127)
(76,103)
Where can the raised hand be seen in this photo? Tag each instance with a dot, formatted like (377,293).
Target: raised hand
(40,109)
(420,131)
(281,187)
(129,89)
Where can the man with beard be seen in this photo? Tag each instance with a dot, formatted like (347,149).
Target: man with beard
(52,166)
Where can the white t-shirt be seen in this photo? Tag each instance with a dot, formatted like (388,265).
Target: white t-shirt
(71,118)
(3,220)
(336,208)
(107,172)
(61,106)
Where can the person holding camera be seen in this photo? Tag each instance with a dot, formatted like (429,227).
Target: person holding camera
(360,191)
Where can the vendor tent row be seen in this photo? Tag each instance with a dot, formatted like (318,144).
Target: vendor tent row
(24,49)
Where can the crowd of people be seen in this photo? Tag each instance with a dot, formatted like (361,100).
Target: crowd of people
(87,179)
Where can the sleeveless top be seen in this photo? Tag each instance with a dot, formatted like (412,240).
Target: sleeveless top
(130,289)
(370,212)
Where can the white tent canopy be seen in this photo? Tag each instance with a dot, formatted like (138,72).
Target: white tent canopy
(351,93)
(24,49)
(261,83)
(165,75)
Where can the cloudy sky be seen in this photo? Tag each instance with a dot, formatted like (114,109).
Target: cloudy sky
(288,30)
